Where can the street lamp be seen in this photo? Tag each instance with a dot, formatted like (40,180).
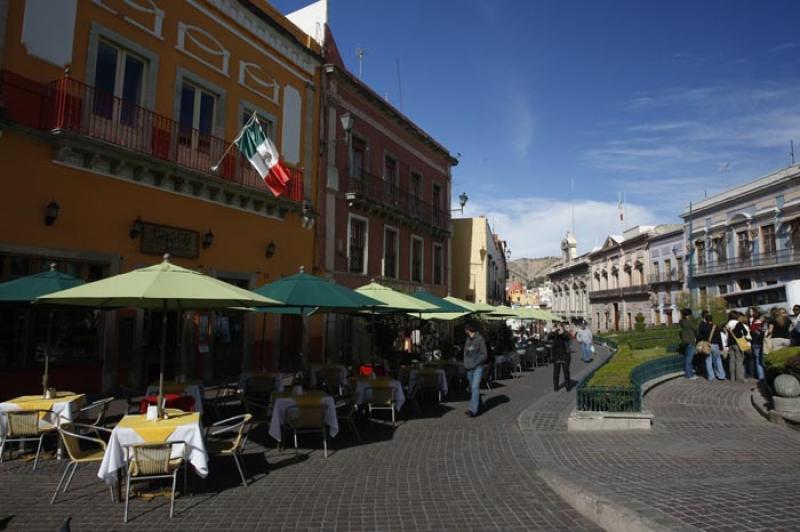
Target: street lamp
(347,122)
(462,200)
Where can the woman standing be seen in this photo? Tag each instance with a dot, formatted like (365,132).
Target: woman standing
(736,330)
(688,341)
(779,327)
(711,333)
(757,334)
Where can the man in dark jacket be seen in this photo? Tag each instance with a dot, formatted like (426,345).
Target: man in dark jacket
(475,356)
(560,339)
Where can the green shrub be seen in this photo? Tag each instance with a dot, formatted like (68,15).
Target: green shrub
(617,372)
(776,360)
(792,366)
(639,325)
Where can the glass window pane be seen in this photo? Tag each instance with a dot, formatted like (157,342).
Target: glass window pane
(131,90)
(186,115)
(104,80)
(206,119)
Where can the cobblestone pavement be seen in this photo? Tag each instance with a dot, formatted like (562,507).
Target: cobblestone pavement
(711,463)
(444,471)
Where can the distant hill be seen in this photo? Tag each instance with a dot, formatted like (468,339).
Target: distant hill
(532,271)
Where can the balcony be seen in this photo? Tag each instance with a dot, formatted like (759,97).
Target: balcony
(636,290)
(619,293)
(672,276)
(70,108)
(783,257)
(374,193)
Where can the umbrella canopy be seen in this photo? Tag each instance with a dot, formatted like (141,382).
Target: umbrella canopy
(443,316)
(394,299)
(549,316)
(440,302)
(163,286)
(503,311)
(469,305)
(32,286)
(308,291)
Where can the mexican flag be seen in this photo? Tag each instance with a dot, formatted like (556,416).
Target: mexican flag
(263,155)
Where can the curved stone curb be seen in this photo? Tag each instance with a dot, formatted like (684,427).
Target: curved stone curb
(760,403)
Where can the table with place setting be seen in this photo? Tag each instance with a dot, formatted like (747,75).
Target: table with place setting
(65,405)
(363,384)
(441,377)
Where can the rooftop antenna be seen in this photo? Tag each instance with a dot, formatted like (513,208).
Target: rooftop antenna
(360,53)
(791,149)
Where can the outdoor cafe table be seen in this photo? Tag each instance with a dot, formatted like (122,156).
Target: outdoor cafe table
(65,405)
(362,384)
(440,374)
(316,368)
(194,389)
(133,429)
(285,400)
(277,380)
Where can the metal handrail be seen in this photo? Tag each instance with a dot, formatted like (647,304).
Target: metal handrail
(754,260)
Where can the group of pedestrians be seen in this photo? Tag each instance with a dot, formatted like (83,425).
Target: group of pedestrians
(734,349)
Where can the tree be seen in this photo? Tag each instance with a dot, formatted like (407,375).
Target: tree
(716,305)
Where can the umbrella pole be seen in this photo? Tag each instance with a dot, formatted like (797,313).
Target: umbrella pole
(263,338)
(46,376)
(163,358)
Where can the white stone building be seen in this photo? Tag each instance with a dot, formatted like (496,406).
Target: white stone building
(569,280)
(667,273)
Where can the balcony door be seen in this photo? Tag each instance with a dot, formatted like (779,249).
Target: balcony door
(118,92)
(196,118)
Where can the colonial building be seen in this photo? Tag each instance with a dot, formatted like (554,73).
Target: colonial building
(619,284)
(667,274)
(479,262)
(746,238)
(115,118)
(519,295)
(569,281)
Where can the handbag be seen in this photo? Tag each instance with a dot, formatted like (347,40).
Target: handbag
(742,342)
(703,347)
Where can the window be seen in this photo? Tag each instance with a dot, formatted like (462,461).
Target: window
(656,272)
(390,252)
(744,284)
(417,259)
(768,246)
(700,247)
(390,176)
(196,117)
(720,248)
(267,125)
(679,268)
(668,270)
(416,192)
(119,84)
(723,289)
(438,263)
(357,248)
(359,155)
(436,200)
(743,244)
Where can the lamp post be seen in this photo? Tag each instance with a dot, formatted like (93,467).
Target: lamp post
(462,200)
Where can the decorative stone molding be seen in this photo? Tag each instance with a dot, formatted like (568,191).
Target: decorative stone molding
(191,35)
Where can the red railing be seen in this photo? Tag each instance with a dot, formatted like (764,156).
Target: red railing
(79,108)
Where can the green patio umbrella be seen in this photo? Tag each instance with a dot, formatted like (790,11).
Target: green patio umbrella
(531,314)
(306,292)
(502,311)
(549,316)
(395,300)
(165,287)
(478,308)
(27,289)
(448,310)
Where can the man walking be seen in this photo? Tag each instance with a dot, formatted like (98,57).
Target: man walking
(475,357)
(561,356)
(585,338)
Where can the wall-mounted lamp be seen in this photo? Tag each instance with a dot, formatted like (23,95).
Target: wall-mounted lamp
(51,213)
(136,229)
(271,247)
(208,239)
(347,122)
(462,200)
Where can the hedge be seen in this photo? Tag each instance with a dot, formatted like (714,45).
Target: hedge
(617,372)
(776,360)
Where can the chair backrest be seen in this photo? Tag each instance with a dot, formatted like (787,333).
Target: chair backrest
(331,376)
(346,408)
(151,459)
(287,380)
(96,412)
(71,438)
(380,395)
(305,416)
(23,423)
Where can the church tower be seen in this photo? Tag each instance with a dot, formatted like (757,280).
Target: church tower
(569,248)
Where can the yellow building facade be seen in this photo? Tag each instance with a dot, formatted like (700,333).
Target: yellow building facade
(112,115)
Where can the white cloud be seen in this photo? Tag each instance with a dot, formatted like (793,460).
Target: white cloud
(783,47)
(534,226)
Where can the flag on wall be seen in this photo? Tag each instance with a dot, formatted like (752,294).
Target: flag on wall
(263,155)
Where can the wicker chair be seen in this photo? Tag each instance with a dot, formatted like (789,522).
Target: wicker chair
(71,439)
(151,461)
(307,418)
(345,409)
(380,398)
(240,427)
(29,425)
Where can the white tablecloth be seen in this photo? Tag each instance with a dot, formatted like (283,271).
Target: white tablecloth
(363,384)
(194,451)
(317,369)
(282,404)
(440,373)
(192,389)
(66,410)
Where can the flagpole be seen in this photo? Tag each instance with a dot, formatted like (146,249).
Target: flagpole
(235,140)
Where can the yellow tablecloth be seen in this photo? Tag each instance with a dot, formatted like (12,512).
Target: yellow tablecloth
(156,431)
(37,402)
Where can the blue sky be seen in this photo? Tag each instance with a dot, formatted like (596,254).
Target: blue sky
(663,100)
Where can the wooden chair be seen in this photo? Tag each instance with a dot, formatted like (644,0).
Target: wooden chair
(71,439)
(153,461)
(307,418)
(29,425)
(239,426)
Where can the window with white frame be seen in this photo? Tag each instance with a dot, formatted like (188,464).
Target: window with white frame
(417,259)
(357,245)
(391,249)
(198,106)
(119,81)
(438,264)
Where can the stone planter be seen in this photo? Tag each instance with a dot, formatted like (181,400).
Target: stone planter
(787,394)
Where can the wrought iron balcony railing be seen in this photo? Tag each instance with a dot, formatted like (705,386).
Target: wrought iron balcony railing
(673,275)
(754,260)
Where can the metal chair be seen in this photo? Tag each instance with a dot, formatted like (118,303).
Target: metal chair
(95,413)
(133,398)
(240,426)
(29,425)
(380,398)
(152,461)
(428,383)
(516,366)
(225,394)
(71,439)
(331,380)
(345,410)
(307,418)
(260,409)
